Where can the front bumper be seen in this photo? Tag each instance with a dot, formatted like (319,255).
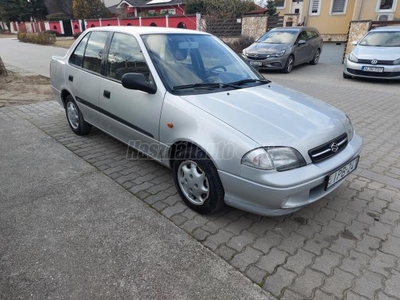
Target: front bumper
(280,193)
(355,70)
(273,63)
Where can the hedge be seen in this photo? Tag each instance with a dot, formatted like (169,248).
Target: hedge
(41,38)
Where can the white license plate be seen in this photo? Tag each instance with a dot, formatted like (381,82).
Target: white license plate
(373,69)
(341,173)
(256,63)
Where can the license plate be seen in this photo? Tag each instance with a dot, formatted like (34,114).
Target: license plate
(373,69)
(256,63)
(341,173)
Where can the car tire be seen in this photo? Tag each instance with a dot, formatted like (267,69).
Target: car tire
(289,64)
(346,76)
(315,60)
(75,118)
(197,181)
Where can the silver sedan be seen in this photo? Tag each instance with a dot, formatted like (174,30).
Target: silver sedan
(186,100)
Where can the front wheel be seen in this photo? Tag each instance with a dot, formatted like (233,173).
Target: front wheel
(197,181)
(75,118)
(315,60)
(289,64)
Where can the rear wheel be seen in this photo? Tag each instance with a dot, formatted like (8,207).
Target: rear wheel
(289,64)
(197,181)
(315,60)
(75,117)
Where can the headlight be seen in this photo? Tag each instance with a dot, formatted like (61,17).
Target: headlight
(353,58)
(274,158)
(349,129)
(278,54)
(396,62)
(244,52)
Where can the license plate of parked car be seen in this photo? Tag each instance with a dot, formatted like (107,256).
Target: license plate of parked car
(256,63)
(341,173)
(373,69)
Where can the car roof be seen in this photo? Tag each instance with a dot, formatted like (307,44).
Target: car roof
(386,28)
(297,28)
(146,30)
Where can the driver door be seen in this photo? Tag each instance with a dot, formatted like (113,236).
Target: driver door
(132,116)
(302,51)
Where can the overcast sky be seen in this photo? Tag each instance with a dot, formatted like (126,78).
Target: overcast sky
(262,3)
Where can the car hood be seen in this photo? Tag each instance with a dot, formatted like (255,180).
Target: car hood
(263,48)
(273,115)
(380,53)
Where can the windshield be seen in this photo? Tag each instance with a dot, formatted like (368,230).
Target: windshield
(382,39)
(197,63)
(278,37)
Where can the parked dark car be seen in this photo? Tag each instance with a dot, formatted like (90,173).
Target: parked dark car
(285,47)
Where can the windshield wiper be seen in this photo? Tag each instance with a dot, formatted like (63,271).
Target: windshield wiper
(204,85)
(216,85)
(236,84)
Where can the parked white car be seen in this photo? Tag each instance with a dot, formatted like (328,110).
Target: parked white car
(188,101)
(377,55)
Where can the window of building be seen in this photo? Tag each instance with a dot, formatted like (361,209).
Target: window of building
(386,5)
(315,7)
(94,51)
(338,6)
(168,11)
(124,57)
(280,3)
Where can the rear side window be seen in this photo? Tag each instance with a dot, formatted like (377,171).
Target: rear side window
(77,57)
(94,51)
(311,34)
(125,56)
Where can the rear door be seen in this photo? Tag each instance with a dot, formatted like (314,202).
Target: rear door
(83,72)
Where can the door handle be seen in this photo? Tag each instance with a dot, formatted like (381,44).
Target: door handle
(71,78)
(107,94)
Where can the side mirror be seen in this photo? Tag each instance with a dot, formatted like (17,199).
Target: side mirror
(137,81)
(301,42)
(354,43)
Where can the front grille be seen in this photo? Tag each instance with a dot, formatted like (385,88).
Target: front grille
(257,56)
(374,74)
(326,150)
(380,62)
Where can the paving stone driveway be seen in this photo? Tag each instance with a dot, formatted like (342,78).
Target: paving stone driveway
(346,246)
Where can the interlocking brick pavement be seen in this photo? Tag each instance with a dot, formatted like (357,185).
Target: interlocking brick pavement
(346,246)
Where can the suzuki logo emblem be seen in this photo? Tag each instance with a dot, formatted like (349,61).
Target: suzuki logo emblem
(334,147)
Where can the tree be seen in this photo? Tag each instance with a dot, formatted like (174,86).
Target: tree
(89,9)
(60,6)
(271,8)
(227,9)
(3,70)
(38,9)
(22,10)
(14,10)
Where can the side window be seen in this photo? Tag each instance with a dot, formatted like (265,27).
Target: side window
(302,36)
(94,51)
(125,56)
(311,34)
(77,57)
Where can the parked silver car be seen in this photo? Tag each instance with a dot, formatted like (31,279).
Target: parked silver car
(286,47)
(377,55)
(188,101)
